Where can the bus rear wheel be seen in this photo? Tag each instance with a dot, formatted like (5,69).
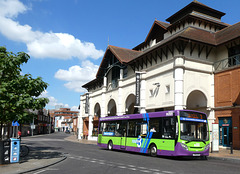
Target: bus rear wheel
(153,150)
(110,145)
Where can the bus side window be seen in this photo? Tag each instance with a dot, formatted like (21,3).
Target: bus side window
(101,128)
(168,127)
(155,127)
(141,128)
(131,129)
(109,128)
(118,131)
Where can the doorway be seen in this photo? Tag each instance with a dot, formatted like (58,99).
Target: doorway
(123,130)
(225,131)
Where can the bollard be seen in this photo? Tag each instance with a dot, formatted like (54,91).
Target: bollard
(231,148)
(211,148)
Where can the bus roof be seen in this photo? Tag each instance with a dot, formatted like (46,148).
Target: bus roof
(145,115)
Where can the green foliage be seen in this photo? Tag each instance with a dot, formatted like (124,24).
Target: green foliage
(18,92)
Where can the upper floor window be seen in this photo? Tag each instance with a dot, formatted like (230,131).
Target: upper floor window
(125,72)
(234,56)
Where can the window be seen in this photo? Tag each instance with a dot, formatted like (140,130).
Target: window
(132,129)
(155,125)
(111,128)
(234,55)
(167,89)
(125,72)
(141,128)
(137,128)
(168,127)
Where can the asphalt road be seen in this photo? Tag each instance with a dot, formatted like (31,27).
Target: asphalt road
(91,159)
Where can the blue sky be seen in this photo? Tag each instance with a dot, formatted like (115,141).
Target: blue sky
(66,39)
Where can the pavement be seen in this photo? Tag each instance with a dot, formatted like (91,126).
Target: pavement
(39,158)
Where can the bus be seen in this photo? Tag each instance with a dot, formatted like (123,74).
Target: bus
(166,133)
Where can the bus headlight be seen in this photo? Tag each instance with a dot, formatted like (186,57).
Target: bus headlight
(207,147)
(184,146)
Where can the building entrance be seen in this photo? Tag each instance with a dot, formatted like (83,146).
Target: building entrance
(225,131)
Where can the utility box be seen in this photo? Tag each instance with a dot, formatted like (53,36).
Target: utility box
(15,150)
(5,152)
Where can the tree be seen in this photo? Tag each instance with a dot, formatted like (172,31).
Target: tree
(18,92)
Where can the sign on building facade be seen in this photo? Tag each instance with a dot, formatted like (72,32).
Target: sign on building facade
(137,102)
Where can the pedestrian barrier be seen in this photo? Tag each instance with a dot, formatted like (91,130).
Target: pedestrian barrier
(5,152)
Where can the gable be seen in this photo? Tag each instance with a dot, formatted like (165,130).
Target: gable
(116,55)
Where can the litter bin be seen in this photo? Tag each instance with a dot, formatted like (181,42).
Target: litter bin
(15,150)
(5,152)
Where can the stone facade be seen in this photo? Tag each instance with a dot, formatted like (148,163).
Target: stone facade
(177,63)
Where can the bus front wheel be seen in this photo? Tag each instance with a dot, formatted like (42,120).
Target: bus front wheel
(153,150)
(110,145)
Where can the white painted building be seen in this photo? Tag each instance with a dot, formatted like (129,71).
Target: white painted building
(176,69)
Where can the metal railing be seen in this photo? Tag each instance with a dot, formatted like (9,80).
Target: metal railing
(227,63)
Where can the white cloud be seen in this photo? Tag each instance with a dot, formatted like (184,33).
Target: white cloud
(74,108)
(76,76)
(11,8)
(39,44)
(52,100)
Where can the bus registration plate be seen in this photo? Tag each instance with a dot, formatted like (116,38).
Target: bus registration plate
(196,154)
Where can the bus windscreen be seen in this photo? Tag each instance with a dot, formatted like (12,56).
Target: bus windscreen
(193,126)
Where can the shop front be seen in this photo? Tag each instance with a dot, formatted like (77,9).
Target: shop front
(225,131)
(85,127)
(95,126)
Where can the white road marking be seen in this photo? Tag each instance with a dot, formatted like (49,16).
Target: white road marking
(145,171)
(167,172)
(132,168)
(120,165)
(40,171)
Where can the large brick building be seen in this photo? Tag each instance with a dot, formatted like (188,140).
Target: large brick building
(188,62)
(227,105)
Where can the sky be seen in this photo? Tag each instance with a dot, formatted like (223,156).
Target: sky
(66,39)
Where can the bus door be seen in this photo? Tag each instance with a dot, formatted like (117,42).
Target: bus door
(123,128)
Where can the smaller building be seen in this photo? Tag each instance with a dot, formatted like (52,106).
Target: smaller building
(64,119)
(42,123)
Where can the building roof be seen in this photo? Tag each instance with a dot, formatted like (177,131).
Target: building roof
(228,34)
(162,24)
(124,55)
(94,81)
(190,33)
(194,10)
(199,35)
(154,33)
(195,6)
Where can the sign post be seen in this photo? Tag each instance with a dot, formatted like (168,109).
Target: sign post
(15,125)
(215,137)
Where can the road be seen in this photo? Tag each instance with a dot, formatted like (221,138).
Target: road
(91,159)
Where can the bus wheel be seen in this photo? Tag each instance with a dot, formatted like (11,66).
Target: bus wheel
(153,150)
(110,145)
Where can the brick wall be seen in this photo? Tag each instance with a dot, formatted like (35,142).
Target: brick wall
(227,100)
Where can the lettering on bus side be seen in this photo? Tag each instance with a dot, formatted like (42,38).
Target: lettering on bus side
(138,141)
(169,113)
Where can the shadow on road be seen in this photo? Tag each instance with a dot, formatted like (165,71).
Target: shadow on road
(37,153)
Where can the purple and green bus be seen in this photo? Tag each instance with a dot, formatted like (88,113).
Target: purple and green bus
(167,133)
